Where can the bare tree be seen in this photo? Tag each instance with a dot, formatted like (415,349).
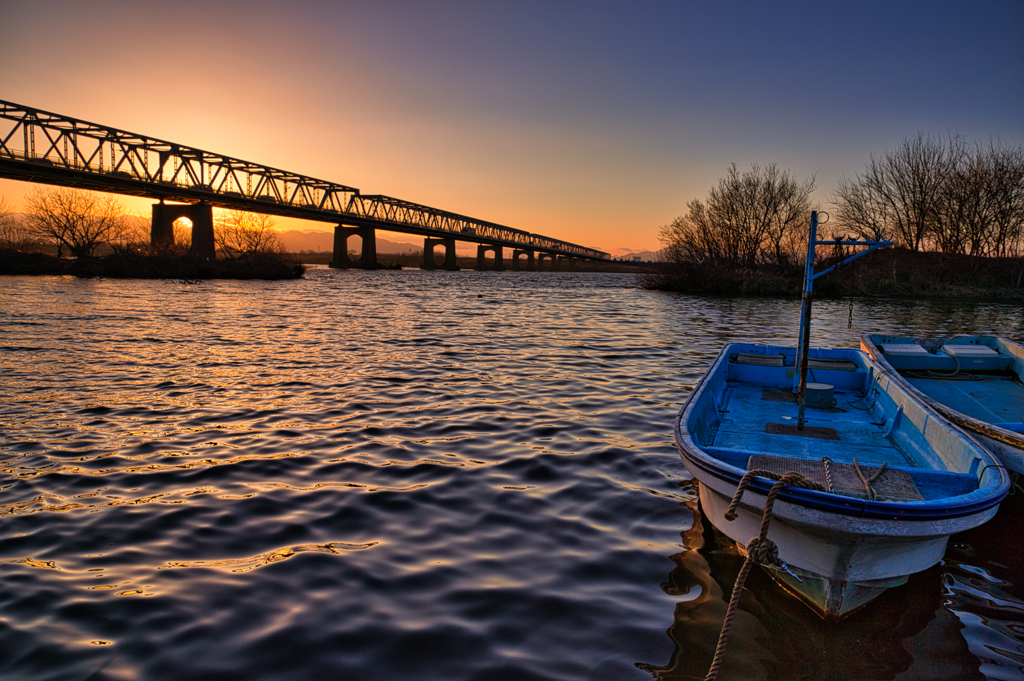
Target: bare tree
(953,195)
(1006,188)
(182,230)
(899,194)
(132,233)
(9,233)
(748,218)
(75,219)
(242,233)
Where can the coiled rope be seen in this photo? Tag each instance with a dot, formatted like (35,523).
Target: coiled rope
(760,549)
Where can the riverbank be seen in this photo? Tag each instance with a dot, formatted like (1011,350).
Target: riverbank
(415,261)
(139,266)
(889,273)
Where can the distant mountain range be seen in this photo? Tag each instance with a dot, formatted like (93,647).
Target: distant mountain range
(627,254)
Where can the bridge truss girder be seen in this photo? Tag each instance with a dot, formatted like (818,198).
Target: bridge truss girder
(39,146)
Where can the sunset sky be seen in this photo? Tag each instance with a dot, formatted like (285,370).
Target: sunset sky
(593,122)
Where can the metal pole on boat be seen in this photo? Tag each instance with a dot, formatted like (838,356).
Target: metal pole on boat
(804,341)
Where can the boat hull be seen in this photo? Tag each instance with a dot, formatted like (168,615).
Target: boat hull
(844,562)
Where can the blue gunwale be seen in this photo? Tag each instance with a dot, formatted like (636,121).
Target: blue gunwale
(986,496)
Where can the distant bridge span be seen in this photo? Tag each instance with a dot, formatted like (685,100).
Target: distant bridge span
(39,146)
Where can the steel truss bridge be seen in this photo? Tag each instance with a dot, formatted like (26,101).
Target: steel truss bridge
(44,147)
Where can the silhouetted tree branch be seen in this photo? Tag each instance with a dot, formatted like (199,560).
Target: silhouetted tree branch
(954,196)
(75,219)
(241,233)
(749,218)
(9,234)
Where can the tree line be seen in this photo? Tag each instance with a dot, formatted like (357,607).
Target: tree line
(80,223)
(945,195)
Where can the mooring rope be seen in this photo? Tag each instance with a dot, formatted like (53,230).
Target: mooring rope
(866,480)
(760,549)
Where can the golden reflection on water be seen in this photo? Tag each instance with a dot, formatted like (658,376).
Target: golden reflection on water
(30,562)
(253,562)
(20,472)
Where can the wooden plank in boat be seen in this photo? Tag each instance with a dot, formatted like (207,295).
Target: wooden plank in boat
(757,359)
(776,395)
(830,364)
(816,432)
(810,448)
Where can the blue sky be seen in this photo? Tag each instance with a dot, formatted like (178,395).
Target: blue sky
(594,122)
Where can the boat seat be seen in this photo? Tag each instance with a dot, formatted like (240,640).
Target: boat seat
(969,351)
(892,485)
(757,359)
(904,349)
(830,364)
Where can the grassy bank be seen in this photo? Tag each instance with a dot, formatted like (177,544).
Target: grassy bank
(890,273)
(139,266)
(415,261)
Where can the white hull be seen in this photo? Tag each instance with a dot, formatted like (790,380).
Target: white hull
(857,558)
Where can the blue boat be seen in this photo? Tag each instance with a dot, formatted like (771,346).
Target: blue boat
(877,480)
(895,479)
(977,382)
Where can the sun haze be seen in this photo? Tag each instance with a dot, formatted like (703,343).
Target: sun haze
(593,123)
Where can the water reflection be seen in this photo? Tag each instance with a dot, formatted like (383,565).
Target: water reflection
(384,475)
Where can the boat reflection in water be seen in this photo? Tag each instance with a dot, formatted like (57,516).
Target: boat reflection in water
(960,619)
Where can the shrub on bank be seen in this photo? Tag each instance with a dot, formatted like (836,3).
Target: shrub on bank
(159,266)
(890,272)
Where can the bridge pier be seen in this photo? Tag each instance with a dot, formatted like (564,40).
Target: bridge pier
(564,263)
(161,232)
(449,254)
(550,258)
(531,264)
(481,258)
(368,257)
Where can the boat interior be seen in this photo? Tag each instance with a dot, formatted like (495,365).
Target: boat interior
(749,415)
(979,376)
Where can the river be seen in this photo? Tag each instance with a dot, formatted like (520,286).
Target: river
(420,475)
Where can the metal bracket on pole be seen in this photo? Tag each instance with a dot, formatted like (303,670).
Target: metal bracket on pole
(804,339)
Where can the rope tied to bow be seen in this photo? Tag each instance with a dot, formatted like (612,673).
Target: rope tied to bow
(868,488)
(760,549)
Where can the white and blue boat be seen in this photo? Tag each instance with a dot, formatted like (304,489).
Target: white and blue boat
(850,542)
(887,478)
(977,382)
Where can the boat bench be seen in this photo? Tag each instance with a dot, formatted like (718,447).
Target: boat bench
(779,360)
(897,483)
(841,374)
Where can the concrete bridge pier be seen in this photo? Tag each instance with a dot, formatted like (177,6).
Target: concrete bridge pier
(449,254)
(565,263)
(531,265)
(481,258)
(368,257)
(550,258)
(161,232)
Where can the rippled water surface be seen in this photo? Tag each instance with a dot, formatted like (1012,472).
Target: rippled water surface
(413,475)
